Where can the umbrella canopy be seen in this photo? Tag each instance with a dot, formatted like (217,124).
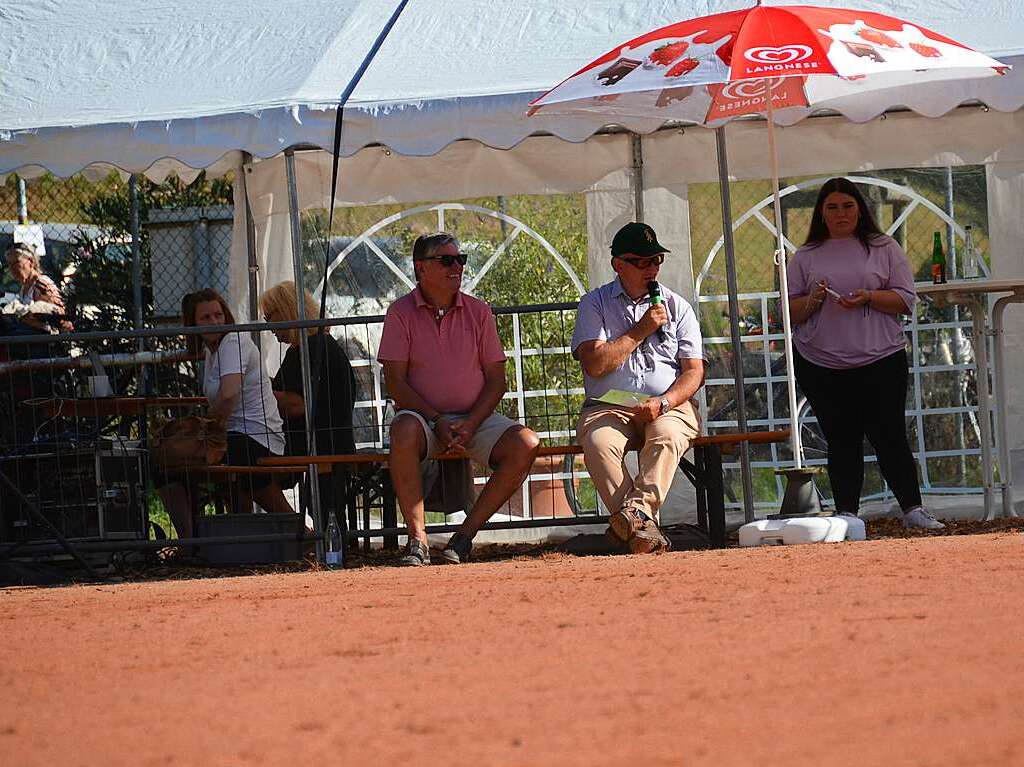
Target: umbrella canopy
(714,68)
(782,62)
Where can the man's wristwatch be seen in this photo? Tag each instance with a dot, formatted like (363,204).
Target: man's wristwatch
(665,406)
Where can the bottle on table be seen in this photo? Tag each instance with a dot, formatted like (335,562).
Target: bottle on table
(938,260)
(333,556)
(972,260)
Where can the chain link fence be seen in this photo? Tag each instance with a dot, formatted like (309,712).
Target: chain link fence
(85,234)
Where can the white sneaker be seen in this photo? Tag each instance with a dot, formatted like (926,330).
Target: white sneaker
(918,517)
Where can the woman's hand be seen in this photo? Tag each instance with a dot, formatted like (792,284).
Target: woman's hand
(802,307)
(856,299)
(817,296)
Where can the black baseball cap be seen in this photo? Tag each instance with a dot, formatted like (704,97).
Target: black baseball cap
(637,238)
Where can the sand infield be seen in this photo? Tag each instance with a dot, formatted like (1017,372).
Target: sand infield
(894,652)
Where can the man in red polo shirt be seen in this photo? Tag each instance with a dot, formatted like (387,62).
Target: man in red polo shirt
(445,369)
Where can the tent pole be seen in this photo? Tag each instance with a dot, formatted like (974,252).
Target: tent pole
(294,218)
(637,178)
(133,196)
(734,321)
(250,245)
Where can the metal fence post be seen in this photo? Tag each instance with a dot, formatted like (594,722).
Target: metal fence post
(22,202)
(137,320)
(201,251)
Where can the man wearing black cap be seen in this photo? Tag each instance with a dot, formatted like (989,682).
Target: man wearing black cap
(633,335)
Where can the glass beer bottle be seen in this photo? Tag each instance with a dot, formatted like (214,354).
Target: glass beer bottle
(938,260)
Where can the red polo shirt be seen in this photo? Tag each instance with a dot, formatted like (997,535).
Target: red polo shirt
(445,361)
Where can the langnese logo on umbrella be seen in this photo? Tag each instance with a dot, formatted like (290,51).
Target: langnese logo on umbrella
(748,97)
(782,58)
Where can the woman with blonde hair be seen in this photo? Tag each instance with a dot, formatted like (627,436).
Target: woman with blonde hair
(335,388)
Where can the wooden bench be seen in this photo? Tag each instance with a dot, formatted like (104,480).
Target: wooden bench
(221,474)
(363,474)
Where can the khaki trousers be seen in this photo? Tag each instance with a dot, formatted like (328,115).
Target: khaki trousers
(606,434)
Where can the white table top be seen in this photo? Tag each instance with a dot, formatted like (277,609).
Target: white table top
(969,287)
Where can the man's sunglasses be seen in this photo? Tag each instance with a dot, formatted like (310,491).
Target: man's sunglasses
(643,263)
(447,260)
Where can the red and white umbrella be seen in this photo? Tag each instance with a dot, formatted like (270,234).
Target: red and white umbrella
(780,62)
(714,68)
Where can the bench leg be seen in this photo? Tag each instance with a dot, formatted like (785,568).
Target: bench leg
(367,502)
(714,487)
(695,473)
(352,509)
(389,510)
(349,492)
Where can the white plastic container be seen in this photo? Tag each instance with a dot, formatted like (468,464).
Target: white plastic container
(802,530)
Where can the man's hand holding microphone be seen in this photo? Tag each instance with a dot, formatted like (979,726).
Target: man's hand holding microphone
(656,317)
(653,321)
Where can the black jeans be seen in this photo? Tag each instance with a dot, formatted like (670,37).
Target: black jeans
(857,402)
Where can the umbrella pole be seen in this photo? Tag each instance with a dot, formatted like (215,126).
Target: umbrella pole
(780,259)
(801,497)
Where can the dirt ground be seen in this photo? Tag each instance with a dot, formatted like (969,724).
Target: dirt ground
(894,652)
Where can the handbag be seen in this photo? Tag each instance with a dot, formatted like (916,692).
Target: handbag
(187,443)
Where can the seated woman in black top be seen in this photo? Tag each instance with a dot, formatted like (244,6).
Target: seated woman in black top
(335,391)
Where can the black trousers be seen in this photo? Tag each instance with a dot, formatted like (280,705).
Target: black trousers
(854,403)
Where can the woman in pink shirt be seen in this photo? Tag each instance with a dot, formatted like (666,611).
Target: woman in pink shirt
(848,286)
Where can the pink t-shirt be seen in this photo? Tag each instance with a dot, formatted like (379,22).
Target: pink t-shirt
(445,361)
(835,337)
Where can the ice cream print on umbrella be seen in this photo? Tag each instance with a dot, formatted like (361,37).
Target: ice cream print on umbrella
(859,49)
(660,71)
(650,64)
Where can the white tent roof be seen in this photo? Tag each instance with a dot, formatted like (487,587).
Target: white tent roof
(132,83)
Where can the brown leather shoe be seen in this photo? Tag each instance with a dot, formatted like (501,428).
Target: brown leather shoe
(648,539)
(624,523)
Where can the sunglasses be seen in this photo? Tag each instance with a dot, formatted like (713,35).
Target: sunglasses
(447,260)
(643,263)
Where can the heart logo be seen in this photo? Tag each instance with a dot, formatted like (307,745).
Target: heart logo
(749,89)
(785,54)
